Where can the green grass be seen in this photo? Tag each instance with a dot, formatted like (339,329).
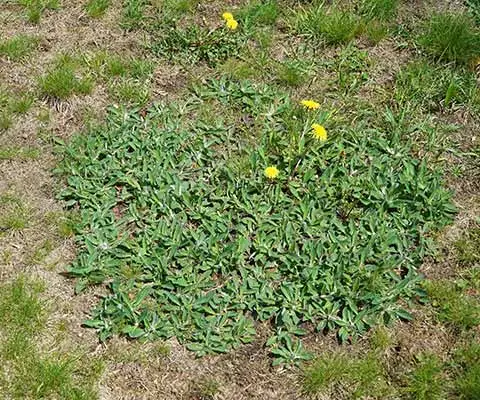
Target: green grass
(379,9)
(436,87)
(351,67)
(333,25)
(6,120)
(468,247)
(451,37)
(18,47)
(28,372)
(19,153)
(206,389)
(427,381)
(97,8)
(375,31)
(316,212)
(63,80)
(130,92)
(14,215)
(109,66)
(357,376)
(177,7)
(467,379)
(40,252)
(133,14)
(35,8)
(21,104)
(292,73)
(11,106)
(381,339)
(454,307)
(63,223)
(474,9)
(259,13)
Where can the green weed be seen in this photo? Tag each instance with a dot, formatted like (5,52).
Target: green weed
(157,165)
(193,44)
(97,8)
(451,37)
(18,47)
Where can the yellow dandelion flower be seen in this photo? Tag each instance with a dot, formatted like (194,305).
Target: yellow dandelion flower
(310,104)
(319,132)
(232,24)
(227,16)
(271,172)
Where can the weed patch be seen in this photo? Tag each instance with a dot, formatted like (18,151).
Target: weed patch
(197,240)
(194,44)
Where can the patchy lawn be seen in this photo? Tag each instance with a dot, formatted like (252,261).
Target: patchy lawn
(239,200)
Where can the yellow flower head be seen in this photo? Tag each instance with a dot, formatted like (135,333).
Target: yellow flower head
(310,104)
(232,24)
(319,132)
(227,16)
(271,172)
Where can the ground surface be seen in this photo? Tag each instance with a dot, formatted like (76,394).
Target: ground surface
(359,77)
